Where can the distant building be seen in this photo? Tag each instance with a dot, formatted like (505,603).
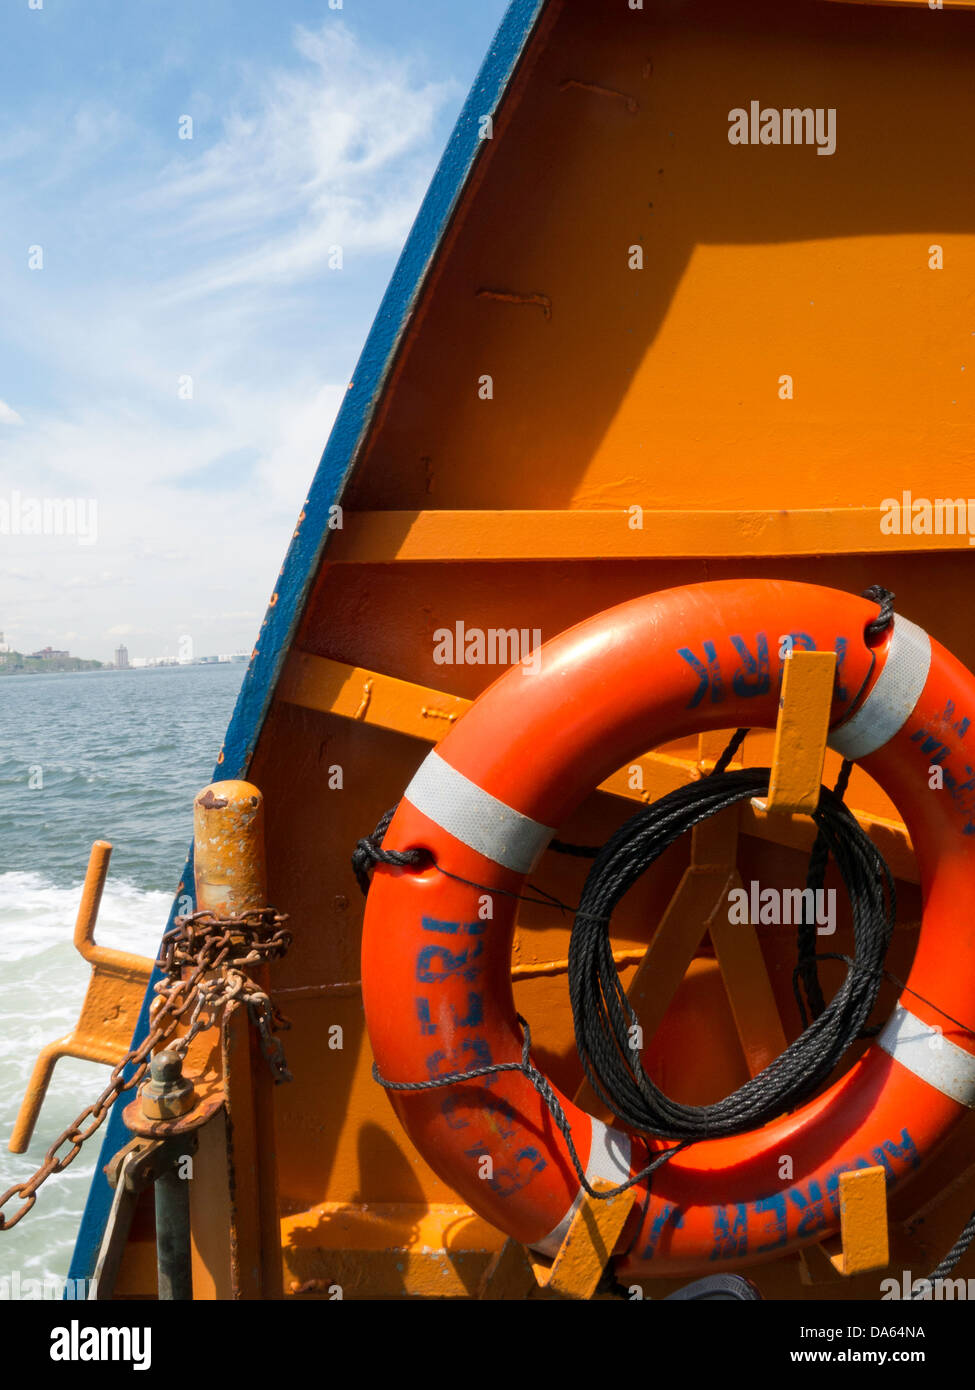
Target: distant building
(48,654)
(122,657)
(4,646)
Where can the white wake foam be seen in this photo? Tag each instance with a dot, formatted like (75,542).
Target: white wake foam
(42,984)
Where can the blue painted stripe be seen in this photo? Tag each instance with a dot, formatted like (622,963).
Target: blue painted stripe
(312,534)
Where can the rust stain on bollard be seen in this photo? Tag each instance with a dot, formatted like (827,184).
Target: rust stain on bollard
(228,832)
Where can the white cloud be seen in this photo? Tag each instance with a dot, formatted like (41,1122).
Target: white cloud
(95,124)
(333,154)
(19,142)
(336,149)
(103,580)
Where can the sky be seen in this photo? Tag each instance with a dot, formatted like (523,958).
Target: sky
(201,205)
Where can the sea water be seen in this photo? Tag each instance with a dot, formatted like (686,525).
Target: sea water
(93,755)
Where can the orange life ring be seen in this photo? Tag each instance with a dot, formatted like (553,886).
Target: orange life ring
(436,975)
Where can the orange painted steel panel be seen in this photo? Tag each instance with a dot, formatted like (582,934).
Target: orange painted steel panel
(451,537)
(382,1249)
(211,1213)
(661,386)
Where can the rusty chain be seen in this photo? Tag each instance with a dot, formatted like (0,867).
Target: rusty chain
(216,951)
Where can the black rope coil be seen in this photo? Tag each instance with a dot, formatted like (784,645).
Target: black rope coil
(603,1016)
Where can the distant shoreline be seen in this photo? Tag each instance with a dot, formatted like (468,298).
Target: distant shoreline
(72,665)
(16,664)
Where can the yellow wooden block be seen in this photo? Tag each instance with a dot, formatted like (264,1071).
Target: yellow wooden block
(800,732)
(863,1221)
(592,1235)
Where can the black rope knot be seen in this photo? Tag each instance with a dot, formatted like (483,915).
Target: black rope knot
(369,852)
(878,594)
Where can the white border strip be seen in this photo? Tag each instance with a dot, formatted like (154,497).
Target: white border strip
(891,702)
(923,1051)
(475,817)
(609,1158)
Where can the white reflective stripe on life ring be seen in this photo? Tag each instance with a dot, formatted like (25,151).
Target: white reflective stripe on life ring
(892,700)
(925,1052)
(609,1159)
(475,817)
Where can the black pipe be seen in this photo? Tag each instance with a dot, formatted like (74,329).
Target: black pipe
(173,1259)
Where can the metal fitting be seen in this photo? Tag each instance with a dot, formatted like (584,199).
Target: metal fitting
(167,1094)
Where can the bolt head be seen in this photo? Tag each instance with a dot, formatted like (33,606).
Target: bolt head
(166,1067)
(167,1094)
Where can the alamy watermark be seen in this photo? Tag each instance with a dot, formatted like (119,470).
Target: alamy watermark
(15,1288)
(926,1290)
(75,1342)
(783,907)
(908,515)
(493,646)
(793,125)
(49,516)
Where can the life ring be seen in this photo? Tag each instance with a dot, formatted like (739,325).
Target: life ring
(436,975)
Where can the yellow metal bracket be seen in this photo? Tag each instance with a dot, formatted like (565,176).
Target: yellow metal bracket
(581,1259)
(863,1222)
(863,1243)
(111,1006)
(800,733)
